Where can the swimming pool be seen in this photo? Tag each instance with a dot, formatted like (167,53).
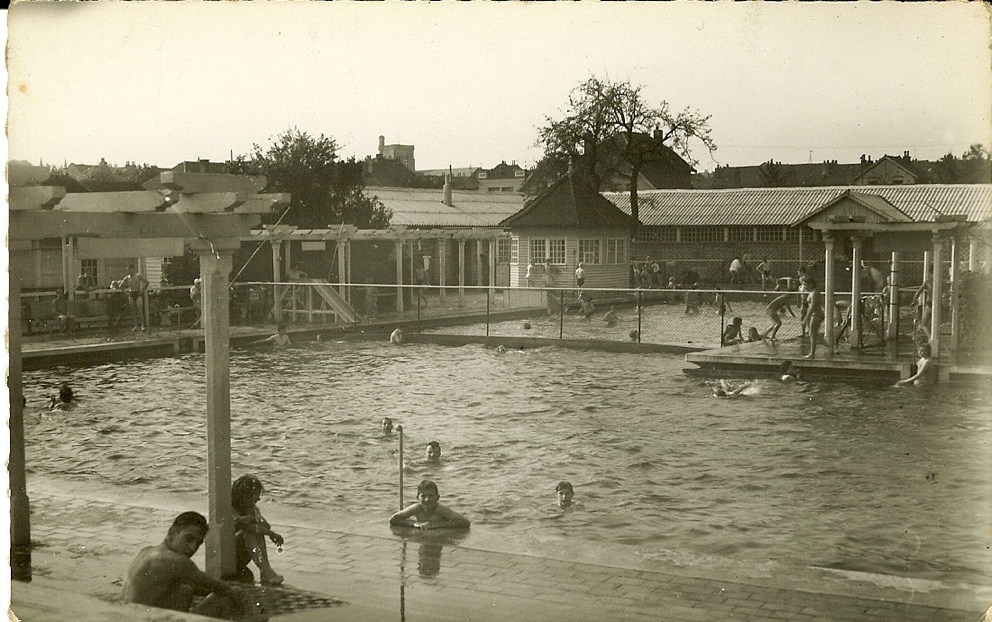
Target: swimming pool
(874,479)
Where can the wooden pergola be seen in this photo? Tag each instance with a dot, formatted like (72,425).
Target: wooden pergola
(858,216)
(212,213)
(345,235)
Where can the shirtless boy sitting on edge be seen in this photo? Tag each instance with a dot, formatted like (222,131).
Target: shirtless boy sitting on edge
(165,575)
(427,512)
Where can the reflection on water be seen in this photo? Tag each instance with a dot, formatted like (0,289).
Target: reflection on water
(856,477)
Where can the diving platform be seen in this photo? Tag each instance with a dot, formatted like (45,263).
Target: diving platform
(877,365)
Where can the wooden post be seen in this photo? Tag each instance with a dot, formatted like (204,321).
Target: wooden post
(972,251)
(442,266)
(936,294)
(461,272)
(478,261)
(855,334)
(276,279)
(347,263)
(492,268)
(955,293)
(215,266)
(20,507)
(341,268)
(69,271)
(892,334)
(828,294)
(399,276)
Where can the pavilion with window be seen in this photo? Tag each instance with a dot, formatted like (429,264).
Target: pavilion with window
(568,223)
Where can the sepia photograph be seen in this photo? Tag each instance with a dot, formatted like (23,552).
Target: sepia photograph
(486,311)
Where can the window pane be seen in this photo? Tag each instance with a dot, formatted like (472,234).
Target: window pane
(557,251)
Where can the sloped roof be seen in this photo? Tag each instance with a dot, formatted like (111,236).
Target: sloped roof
(877,207)
(569,202)
(919,174)
(424,207)
(785,206)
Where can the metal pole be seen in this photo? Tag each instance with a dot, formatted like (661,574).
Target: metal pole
(722,327)
(399,429)
(640,307)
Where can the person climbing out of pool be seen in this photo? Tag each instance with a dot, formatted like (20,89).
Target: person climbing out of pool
(564,492)
(732,333)
(725,389)
(63,400)
(774,310)
(433,453)
(251,529)
(280,339)
(924,369)
(386,426)
(396,337)
(165,576)
(428,512)
(787,373)
(610,317)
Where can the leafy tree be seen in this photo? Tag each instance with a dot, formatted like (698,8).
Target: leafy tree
(609,128)
(325,190)
(774,174)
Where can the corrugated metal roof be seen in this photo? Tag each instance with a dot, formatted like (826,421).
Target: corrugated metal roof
(424,207)
(783,206)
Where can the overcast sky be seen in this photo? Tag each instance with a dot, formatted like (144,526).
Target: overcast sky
(469,83)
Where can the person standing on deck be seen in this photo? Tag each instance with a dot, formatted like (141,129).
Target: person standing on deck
(135,284)
(580,276)
(813,315)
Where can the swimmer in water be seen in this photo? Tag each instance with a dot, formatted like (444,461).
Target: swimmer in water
(565,493)
(396,337)
(501,349)
(64,398)
(726,391)
(386,426)
(433,453)
(280,339)
(428,512)
(924,370)
(787,373)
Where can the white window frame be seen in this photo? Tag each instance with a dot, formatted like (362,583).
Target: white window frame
(616,251)
(482,174)
(512,248)
(535,255)
(589,251)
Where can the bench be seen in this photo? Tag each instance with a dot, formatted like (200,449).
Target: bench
(41,316)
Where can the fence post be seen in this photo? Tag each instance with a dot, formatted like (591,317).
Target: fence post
(418,315)
(722,327)
(640,308)
(561,314)
(487,312)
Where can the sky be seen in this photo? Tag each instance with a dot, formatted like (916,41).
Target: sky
(469,84)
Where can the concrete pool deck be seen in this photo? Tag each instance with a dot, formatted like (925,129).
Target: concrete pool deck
(85,535)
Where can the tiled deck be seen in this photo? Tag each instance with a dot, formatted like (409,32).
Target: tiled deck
(87,533)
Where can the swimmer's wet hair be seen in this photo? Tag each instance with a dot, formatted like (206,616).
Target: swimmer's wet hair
(188,519)
(426,486)
(785,367)
(436,445)
(564,485)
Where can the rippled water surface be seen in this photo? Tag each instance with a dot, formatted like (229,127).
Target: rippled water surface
(877,479)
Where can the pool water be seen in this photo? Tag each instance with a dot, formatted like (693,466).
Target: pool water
(856,477)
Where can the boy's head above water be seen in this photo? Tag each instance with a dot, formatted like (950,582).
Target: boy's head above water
(428,494)
(386,425)
(565,493)
(433,451)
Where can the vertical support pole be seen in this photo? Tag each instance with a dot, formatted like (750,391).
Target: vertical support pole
(828,294)
(927,265)
(442,267)
(936,295)
(972,255)
(399,430)
(478,261)
(347,263)
(955,293)
(561,314)
(492,268)
(215,266)
(143,271)
(399,276)
(461,272)
(892,332)
(276,279)
(69,273)
(341,269)
(855,340)
(20,507)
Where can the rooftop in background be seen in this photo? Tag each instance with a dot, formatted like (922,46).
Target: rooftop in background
(423,207)
(786,206)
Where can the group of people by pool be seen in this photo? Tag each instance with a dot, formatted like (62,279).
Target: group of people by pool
(165,576)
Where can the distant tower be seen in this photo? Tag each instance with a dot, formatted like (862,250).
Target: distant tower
(401,153)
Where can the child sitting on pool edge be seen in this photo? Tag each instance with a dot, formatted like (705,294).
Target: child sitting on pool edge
(427,512)
(251,530)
